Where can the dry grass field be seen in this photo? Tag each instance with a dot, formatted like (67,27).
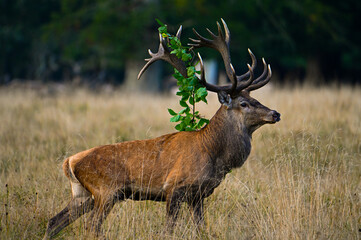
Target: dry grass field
(301,181)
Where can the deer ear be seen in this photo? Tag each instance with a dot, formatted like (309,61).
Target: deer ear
(224,99)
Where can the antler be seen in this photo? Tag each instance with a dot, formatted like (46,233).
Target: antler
(220,42)
(164,54)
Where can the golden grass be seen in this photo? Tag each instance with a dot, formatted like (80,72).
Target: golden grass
(302,180)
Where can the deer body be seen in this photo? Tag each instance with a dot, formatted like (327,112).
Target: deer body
(178,167)
(152,169)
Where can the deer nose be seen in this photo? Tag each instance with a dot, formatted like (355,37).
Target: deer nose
(276,116)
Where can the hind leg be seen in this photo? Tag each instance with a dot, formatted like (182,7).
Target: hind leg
(76,208)
(80,204)
(102,207)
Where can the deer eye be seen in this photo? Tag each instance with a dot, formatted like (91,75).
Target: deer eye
(244,104)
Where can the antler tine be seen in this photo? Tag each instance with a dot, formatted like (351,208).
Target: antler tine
(202,41)
(254,63)
(211,33)
(179,32)
(244,84)
(228,33)
(203,78)
(220,32)
(265,68)
(260,83)
(233,79)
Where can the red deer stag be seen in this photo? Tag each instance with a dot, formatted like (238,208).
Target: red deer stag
(177,167)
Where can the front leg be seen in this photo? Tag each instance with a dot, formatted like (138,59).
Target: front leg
(173,205)
(196,206)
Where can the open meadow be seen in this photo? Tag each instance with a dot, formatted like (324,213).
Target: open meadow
(301,181)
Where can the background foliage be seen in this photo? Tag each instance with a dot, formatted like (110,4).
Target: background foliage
(57,40)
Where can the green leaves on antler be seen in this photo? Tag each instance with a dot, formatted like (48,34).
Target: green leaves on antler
(190,90)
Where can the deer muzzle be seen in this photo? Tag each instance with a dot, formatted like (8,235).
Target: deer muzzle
(276,117)
(272,117)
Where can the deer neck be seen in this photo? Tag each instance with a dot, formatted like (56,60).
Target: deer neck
(226,140)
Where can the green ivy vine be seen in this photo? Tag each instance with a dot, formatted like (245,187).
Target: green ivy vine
(190,89)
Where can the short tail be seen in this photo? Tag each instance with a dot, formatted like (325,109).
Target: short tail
(77,188)
(68,172)
(66,168)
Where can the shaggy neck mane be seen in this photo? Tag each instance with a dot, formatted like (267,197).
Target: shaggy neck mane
(226,140)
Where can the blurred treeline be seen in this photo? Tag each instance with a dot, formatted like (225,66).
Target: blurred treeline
(60,40)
